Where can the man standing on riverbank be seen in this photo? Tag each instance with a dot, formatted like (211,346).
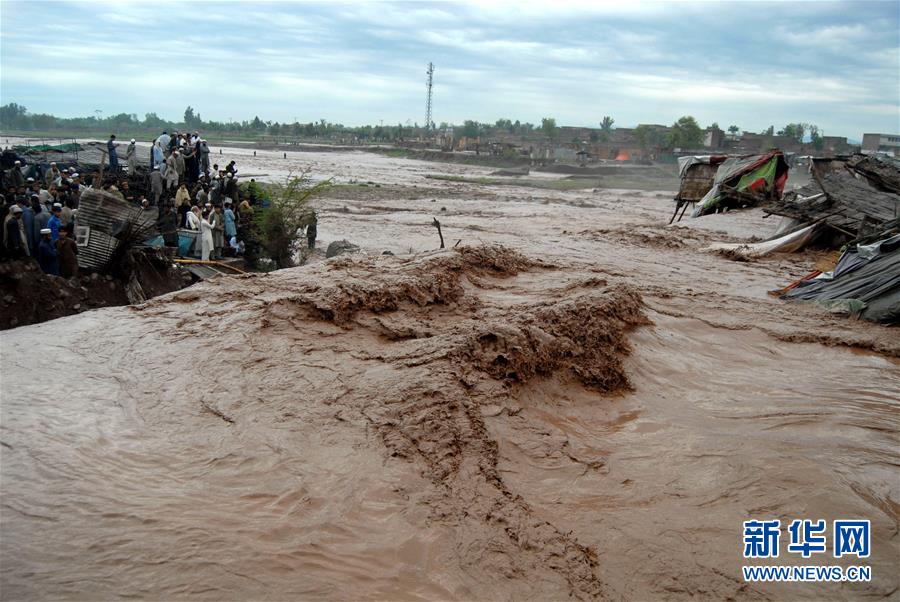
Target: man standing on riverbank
(47,255)
(131,158)
(67,251)
(113,155)
(156,185)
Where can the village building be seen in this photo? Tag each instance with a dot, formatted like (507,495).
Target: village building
(881,143)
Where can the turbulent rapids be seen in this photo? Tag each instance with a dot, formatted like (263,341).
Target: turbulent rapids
(457,424)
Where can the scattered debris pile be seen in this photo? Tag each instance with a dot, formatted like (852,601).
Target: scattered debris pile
(865,283)
(851,197)
(339,247)
(853,203)
(106,224)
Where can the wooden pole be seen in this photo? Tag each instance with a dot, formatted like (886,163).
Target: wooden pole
(437,225)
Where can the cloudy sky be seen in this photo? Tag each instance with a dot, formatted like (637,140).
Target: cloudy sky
(745,63)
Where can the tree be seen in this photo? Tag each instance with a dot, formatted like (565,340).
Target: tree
(152,121)
(504,124)
(733,130)
(281,223)
(191,119)
(685,133)
(815,136)
(714,126)
(769,131)
(469,129)
(548,126)
(647,136)
(606,127)
(13,116)
(793,130)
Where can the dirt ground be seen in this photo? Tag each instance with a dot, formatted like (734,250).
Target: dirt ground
(576,401)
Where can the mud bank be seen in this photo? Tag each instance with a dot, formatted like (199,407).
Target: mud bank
(460,424)
(29,296)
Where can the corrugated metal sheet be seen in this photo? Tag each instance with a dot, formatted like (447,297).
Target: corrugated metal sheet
(107,216)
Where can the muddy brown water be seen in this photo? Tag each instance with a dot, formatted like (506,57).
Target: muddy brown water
(270,438)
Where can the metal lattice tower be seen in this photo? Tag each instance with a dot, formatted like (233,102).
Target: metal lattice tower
(428,98)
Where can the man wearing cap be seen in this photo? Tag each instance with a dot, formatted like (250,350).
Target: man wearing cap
(131,157)
(67,251)
(41,219)
(14,234)
(113,155)
(231,188)
(75,184)
(156,184)
(55,222)
(16,177)
(47,256)
(218,231)
(51,175)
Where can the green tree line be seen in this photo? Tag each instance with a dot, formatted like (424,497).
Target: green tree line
(685,133)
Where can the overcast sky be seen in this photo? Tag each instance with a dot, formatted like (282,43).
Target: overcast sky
(745,63)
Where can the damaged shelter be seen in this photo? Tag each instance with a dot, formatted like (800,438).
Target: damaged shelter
(745,182)
(698,174)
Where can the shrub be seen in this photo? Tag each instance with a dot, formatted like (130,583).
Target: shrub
(281,224)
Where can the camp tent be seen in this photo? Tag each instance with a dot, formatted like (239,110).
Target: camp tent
(745,180)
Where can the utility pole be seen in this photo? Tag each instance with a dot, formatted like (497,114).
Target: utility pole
(428,97)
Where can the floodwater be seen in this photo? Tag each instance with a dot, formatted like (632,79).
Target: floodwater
(347,430)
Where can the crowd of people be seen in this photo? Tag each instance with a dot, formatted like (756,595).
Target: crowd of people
(39,214)
(38,217)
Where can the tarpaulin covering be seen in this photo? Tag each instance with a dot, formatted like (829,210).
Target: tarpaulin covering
(865,282)
(787,243)
(760,174)
(62,148)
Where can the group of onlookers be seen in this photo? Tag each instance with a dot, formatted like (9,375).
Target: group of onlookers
(38,217)
(184,192)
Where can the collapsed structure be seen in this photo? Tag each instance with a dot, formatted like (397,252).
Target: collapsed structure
(852,203)
(848,197)
(714,183)
(865,282)
(106,223)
